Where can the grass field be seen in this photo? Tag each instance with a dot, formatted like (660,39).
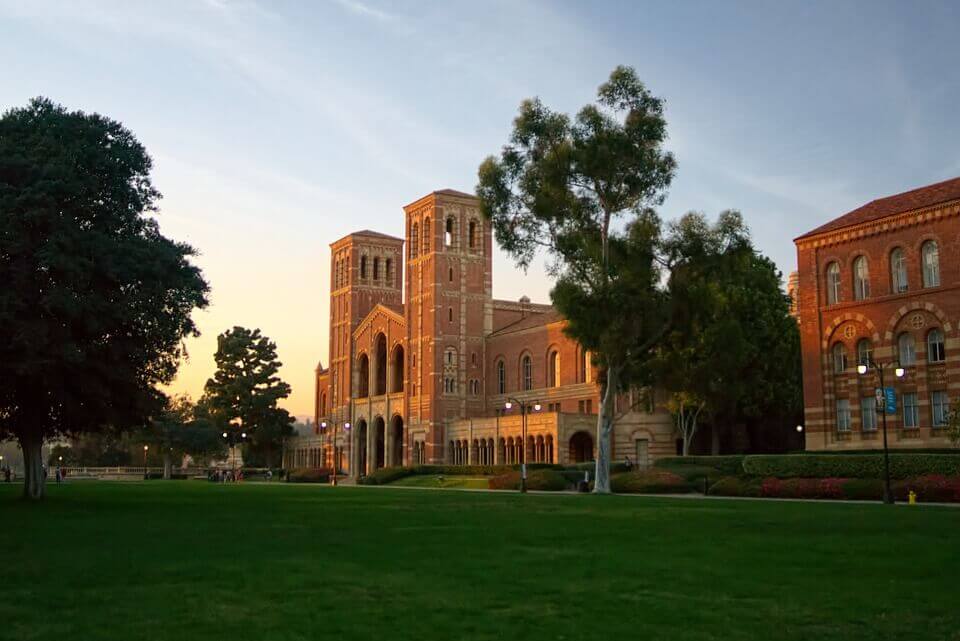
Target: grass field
(191,560)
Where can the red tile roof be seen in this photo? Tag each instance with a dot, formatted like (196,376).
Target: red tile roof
(533,320)
(882,207)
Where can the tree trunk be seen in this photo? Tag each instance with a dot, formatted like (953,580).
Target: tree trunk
(34,483)
(604,428)
(167,466)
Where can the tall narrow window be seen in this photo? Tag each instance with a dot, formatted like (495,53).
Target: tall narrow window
(940,404)
(843,415)
(501,378)
(898,271)
(553,362)
(388,272)
(861,278)
(868,414)
(864,352)
(526,366)
(833,283)
(450,274)
(472,234)
(427,231)
(911,411)
(839,358)
(376,268)
(906,349)
(448,233)
(414,240)
(931,264)
(363,267)
(450,314)
(935,347)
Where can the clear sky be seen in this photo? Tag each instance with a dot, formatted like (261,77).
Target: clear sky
(277,127)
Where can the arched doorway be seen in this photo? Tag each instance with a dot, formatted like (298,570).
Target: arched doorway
(381,364)
(396,440)
(361,447)
(396,371)
(581,447)
(379,442)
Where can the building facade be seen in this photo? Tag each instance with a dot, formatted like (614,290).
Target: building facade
(423,359)
(880,285)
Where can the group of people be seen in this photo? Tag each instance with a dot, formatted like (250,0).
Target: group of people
(225,476)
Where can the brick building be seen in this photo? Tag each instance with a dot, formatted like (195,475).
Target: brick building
(881,282)
(423,359)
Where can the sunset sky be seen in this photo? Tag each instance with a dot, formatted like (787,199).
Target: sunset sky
(278,127)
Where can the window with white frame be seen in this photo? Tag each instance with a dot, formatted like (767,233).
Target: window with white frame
(843,415)
(501,377)
(906,349)
(864,352)
(940,405)
(833,283)
(861,278)
(930,255)
(526,371)
(839,358)
(911,411)
(936,353)
(898,271)
(868,413)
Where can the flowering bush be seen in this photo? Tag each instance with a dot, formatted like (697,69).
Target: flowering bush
(310,475)
(933,488)
(542,480)
(649,482)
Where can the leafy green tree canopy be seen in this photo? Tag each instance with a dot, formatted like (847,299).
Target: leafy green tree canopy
(583,191)
(95,300)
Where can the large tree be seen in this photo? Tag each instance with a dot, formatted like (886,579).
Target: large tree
(732,352)
(245,389)
(180,430)
(583,190)
(95,300)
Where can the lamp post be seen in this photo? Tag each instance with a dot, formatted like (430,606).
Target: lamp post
(333,449)
(523,438)
(146,475)
(899,372)
(232,438)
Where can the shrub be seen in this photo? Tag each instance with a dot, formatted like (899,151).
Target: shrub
(723,465)
(735,486)
(386,475)
(932,488)
(802,488)
(309,475)
(863,466)
(649,482)
(863,489)
(545,480)
(591,466)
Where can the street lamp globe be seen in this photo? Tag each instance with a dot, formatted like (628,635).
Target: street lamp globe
(346,426)
(536,407)
(323,425)
(861,369)
(145,448)
(508,405)
(243,435)
(224,435)
(799,428)
(899,372)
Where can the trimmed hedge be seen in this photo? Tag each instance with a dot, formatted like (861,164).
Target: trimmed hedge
(862,466)
(649,482)
(386,475)
(731,465)
(932,488)
(309,475)
(735,486)
(544,480)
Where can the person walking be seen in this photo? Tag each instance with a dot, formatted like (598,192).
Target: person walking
(59,475)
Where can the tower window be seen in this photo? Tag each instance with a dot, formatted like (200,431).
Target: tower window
(450,314)
(363,267)
(448,233)
(376,269)
(472,234)
(451,274)
(414,240)
(388,272)
(426,235)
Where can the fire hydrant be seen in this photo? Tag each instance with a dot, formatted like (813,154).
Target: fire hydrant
(912,497)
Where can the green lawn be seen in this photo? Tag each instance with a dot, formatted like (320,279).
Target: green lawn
(190,560)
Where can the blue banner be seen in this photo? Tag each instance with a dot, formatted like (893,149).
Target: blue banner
(891,400)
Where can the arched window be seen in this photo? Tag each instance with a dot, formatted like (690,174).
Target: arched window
(426,235)
(414,240)
(833,283)
(363,267)
(472,234)
(450,314)
(388,272)
(376,268)
(839,358)
(450,356)
(448,233)
(501,378)
(936,353)
(553,363)
(526,372)
(864,352)
(861,278)
(898,271)
(906,349)
(931,264)
(450,274)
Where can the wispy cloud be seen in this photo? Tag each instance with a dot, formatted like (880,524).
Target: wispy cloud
(363,9)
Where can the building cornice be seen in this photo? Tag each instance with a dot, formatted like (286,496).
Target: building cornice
(880,226)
